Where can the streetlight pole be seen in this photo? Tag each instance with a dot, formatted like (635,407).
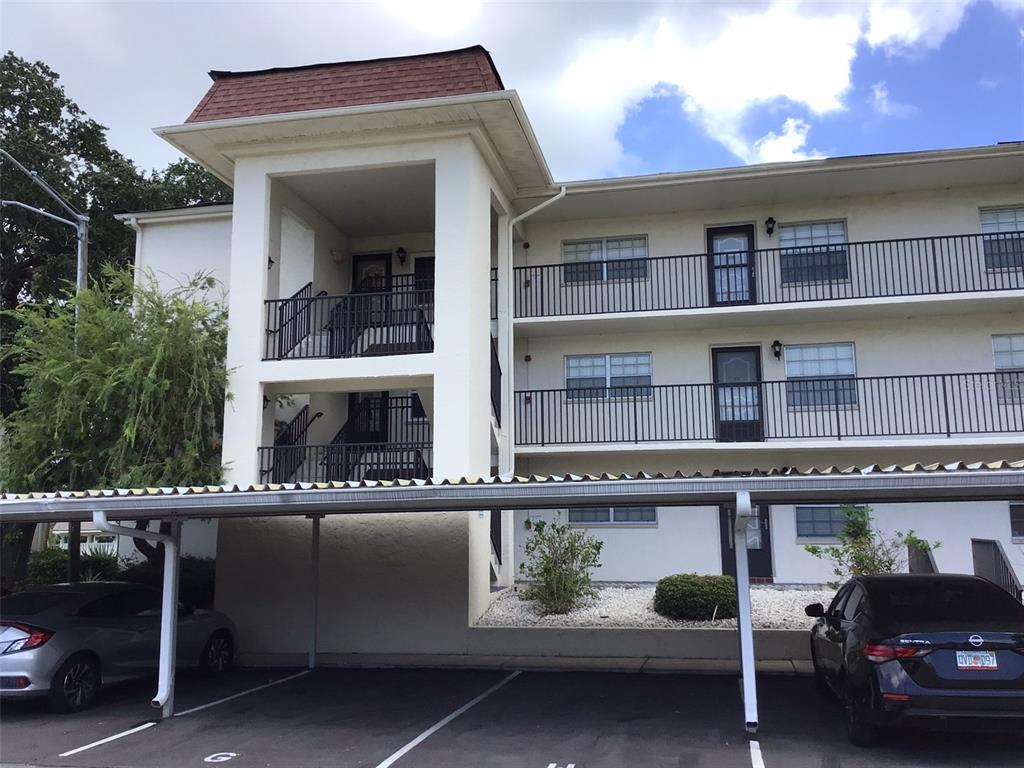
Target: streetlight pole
(80,222)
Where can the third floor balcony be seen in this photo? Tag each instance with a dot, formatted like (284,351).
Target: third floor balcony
(857,272)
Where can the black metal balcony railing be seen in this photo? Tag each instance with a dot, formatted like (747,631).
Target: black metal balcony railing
(354,325)
(495,381)
(347,461)
(861,270)
(934,405)
(494,293)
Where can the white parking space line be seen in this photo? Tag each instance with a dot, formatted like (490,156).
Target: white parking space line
(442,723)
(243,693)
(755,755)
(116,736)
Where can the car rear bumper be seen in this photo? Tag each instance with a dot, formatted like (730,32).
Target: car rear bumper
(34,667)
(954,712)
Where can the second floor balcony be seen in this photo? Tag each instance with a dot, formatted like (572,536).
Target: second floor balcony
(879,269)
(932,407)
(378,319)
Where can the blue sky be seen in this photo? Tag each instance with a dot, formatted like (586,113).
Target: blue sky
(612,88)
(968,91)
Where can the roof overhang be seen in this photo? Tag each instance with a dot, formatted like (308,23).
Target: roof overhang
(765,184)
(498,115)
(176,215)
(914,483)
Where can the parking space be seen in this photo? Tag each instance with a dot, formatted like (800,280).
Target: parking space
(415,718)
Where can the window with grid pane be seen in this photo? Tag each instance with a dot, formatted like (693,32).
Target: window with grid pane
(618,375)
(820,375)
(1003,230)
(611,515)
(612,258)
(819,522)
(1017,521)
(813,252)
(1008,351)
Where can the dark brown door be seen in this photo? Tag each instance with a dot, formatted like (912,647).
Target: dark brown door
(731,276)
(759,542)
(739,414)
(423,273)
(371,273)
(368,417)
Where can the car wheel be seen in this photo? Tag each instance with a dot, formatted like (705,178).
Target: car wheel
(860,732)
(75,684)
(820,682)
(218,653)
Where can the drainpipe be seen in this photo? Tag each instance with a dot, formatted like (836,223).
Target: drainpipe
(164,698)
(508,327)
(744,514)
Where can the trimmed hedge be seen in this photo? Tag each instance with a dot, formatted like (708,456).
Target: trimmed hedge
(50,566)
(687,596)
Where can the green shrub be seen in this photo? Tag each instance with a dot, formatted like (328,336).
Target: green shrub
(558,564)
(195,579)
(687,596)
(50,566)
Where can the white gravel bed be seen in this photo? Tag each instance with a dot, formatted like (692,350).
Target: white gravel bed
(772,607)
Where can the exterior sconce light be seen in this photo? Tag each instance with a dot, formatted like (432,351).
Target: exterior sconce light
(401,253)
(777,349)
(769,225)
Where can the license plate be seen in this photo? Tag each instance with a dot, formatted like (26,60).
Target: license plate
(976,660)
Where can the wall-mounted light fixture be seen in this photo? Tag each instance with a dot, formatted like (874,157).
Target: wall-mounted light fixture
(769,225)
(402,254)
(777,349)
(270,263)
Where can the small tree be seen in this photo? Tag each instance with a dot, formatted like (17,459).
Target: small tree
(558,564)
(863,550)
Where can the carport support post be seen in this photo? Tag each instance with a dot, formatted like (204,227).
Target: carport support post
(314,588)
(744,513)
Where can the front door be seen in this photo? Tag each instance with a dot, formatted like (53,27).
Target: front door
(759,542)
(423,273)
(368,417)
(371,273)
(731,276)
(739,415)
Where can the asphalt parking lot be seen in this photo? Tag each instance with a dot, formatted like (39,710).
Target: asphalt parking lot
(414,718)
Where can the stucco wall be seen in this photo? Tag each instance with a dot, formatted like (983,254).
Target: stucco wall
(175,251)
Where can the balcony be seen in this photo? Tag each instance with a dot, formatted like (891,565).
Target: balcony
(392,319)
(932,407)
(880,269)
(386,437)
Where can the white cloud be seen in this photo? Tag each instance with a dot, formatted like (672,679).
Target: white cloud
(885,106)
(783,147)
(900,26)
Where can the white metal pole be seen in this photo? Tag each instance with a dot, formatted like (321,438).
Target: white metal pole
(314,589)
(744,513)
(168,604)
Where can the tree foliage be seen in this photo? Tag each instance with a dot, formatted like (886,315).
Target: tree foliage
(48,133)
(129,394)
(863,550)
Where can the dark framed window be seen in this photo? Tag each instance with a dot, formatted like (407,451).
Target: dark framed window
(1003,237)
(1017,521)
(814,252)
(819,521)
(820,375)
(613,515)
(626,374)
(601,259)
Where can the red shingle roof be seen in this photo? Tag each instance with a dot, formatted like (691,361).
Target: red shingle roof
(347,84)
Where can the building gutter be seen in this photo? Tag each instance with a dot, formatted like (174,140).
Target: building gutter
(506,330)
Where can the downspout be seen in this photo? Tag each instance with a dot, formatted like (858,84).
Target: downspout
(509,331)
(164,698)
(744,514)
(133,222)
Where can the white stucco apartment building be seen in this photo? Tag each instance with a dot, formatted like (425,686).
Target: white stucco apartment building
(401,306)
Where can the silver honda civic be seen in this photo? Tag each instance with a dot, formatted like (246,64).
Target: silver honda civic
(63,641)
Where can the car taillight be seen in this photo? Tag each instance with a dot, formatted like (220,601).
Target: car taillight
(879,652)
(36,637)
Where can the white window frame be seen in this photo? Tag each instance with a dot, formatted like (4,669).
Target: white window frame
(814,248)
(994,231)
(612,522)
(604,260)
(812,537)
(608,376)
(804,377)
(1010,391)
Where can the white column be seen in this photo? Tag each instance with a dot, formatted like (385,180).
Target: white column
(744,513)
(250,231)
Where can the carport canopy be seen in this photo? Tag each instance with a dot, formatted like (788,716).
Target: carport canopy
(1001,480)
